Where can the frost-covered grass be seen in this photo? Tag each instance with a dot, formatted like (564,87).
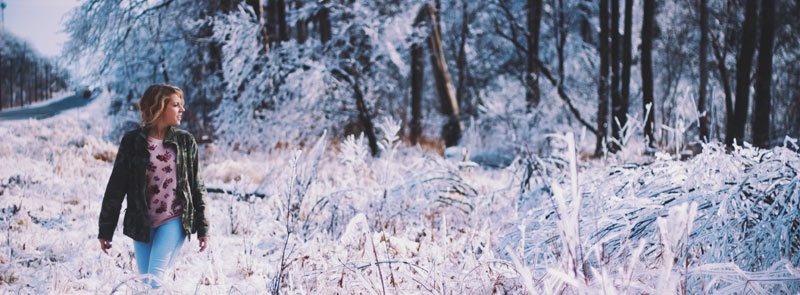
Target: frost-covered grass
(335,220)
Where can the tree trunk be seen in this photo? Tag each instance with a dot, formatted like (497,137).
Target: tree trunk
(451,132)
(271,21)
(616,98)
(586,25)
(647,70)
(763,105)
(26,82)
(416,92)
(561,39)
(23,82)
(701,97)
(20,98)
(36,90)
(33,78)
(461,62)
(46,82)
(302,28)
(627,55)
(532,76)
(324,25)
(743,64)
(602,87)
(17,91)
(364,117)
(283,28)
(12,86)
(3,79)
(40,82)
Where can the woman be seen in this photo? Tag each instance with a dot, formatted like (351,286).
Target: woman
(156,167)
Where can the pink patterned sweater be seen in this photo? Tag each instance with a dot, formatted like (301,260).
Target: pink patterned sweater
(161,193)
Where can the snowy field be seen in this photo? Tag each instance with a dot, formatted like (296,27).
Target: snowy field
(327,218)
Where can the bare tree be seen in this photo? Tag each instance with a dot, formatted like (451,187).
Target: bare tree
(277,29)
(283,27)
(648,20)
(451,131)
(3,79)
(701,96)
(586,26)
(763,106)
(461,61)
(23,82)
(301,25)
(560,32)
(324,23)
(416,92)
(616,99)
(364,117)
(532,94)
(744,61)
(621,113)
(602,84)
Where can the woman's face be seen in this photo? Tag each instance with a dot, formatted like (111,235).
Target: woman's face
(171,116)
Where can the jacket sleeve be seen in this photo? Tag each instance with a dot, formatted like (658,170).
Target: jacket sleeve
(198,193)
(115,193)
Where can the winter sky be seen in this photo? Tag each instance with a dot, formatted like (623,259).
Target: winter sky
(40,22)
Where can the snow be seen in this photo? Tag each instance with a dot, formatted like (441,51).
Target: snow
(408,221)
(518,207)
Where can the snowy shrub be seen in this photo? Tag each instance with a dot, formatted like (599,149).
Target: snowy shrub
(738,230)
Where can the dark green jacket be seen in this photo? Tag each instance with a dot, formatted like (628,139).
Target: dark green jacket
(128,179)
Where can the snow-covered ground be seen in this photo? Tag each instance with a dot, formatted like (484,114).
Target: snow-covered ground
(327,218)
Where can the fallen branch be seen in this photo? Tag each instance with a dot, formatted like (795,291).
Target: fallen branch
(234,193)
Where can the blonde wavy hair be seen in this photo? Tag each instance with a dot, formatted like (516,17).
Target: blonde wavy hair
(154,100)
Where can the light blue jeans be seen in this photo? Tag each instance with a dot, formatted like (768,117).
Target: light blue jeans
(156,256)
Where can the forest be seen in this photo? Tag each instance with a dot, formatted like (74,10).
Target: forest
(580,65)
(26,76)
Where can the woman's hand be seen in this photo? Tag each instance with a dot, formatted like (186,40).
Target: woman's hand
(202,240)
(105,244)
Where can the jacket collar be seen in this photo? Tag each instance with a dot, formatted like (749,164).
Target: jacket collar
(169,135)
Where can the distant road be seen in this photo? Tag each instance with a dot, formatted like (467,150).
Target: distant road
(47,110)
